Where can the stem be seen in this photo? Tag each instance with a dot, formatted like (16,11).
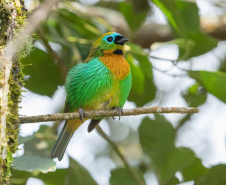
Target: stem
(59,61)
(116,149)
(107,113)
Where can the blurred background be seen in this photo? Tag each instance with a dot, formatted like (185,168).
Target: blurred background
(177,54)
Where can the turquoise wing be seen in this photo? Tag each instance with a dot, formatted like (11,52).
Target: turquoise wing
(86,82)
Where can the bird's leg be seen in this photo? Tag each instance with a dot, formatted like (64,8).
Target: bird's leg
(119,111)
(82,114)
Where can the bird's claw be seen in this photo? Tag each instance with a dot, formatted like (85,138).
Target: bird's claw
(119,111)
(82,114)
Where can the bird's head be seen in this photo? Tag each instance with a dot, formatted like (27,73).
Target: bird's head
(108,44)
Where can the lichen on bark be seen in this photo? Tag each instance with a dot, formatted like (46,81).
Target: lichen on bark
(12,18)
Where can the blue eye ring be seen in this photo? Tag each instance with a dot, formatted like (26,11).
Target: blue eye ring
(110,39)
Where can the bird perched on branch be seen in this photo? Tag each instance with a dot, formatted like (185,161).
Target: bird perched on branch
(101,82)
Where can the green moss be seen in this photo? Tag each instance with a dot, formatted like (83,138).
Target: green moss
(5,16)
(26,48)
(15,83)
(14,99)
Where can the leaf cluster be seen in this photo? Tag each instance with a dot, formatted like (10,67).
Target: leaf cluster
(66,37)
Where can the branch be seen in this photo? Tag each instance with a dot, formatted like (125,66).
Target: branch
(55,56)
(107,113)
(151,33)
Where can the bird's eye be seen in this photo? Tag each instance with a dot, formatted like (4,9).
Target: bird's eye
(110,39)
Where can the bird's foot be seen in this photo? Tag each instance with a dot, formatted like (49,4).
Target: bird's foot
(82,114)
(119,111)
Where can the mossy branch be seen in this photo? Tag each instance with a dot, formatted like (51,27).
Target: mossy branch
(107,113)
(12,38)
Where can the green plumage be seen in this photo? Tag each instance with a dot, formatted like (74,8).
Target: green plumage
(88,83)
(102,81)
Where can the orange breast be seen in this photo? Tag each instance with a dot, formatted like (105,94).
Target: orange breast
(117,64)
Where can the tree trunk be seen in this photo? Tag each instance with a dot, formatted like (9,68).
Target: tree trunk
(11,79)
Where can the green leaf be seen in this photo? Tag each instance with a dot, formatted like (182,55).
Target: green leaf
(215,176)
(200,44)
(183,160)
(34,163)
(75,30)
(168,8)
(53,178)
(183,16)
(157,139)
(41,143)
(44,74)
(133,18)
(19,177)
(77,174)
(137,75)
(23,140)
(214,82)
(195,45)
(121,176)
(147,92)
(195,96)
(194,170)
(84,25)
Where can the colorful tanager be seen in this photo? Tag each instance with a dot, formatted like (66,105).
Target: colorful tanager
(102,82)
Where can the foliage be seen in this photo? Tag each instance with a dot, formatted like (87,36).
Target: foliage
(184,19)
(33,163)
(75,174)
(69,31)
(34,63)
(167,159)
(214,82)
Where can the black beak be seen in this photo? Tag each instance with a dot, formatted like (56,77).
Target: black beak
(120,40)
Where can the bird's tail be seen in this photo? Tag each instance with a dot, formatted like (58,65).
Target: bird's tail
(64,138)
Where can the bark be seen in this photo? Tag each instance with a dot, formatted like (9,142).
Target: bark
(15,44)
(108,113)
(12,16)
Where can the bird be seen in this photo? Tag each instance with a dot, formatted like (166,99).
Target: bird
(101,82)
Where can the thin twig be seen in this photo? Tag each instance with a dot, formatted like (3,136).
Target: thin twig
(174,64)
(165,59)
(116,149)
(54,55)
(107,113)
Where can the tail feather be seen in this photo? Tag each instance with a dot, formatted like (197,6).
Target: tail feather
(65,136)
(61,144)
(93,124)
